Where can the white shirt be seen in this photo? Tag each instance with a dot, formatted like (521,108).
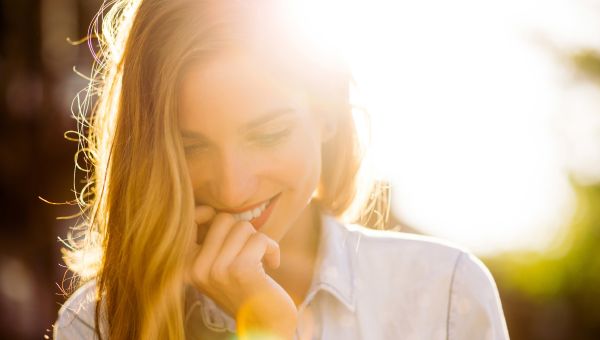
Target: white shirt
(368,284)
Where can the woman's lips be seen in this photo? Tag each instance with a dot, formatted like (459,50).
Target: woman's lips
(259,221)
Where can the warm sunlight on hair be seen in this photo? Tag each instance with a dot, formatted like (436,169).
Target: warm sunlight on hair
(326,24)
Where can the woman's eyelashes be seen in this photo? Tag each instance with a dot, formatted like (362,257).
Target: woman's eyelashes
(194,148)
(266,139)
(273,138)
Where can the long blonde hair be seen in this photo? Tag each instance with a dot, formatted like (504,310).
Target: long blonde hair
(137,204)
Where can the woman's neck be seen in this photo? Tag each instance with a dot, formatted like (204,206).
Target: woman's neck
(298,254)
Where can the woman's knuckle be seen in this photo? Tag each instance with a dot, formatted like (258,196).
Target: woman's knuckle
(218,275)
(240,272)
(260,238)
(236,272)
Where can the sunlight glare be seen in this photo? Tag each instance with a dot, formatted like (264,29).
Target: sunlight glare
(464,106)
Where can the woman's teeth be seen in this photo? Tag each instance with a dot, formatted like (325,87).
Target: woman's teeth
(250,214)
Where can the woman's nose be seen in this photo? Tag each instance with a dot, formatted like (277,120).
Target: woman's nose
(235,180)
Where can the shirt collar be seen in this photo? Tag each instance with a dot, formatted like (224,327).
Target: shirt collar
(335,263)
(333,274)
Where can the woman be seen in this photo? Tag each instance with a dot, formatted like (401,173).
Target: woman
(219,143)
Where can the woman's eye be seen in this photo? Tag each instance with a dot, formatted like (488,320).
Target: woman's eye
(271,138)
(194,148)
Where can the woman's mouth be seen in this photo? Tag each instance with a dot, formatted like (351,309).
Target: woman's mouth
(259,215)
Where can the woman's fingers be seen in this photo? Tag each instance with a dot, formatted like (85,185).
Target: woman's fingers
(272,254)
(232,252)
(233,244)
(215,237)
(259,247)
(203,215)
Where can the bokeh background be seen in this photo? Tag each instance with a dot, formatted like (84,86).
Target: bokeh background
(487,124)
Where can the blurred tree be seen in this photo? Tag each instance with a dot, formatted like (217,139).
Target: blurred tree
(556,295)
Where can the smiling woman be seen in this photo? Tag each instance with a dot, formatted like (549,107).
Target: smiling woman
(264,144)
(225,177)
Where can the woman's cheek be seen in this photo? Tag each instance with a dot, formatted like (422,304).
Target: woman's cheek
(299,162)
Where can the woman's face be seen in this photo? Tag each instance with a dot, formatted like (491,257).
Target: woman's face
(253,146)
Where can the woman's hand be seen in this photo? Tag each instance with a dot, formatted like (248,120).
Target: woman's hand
(228,267)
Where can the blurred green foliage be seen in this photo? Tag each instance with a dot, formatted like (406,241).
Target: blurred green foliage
(587,62)
(556,294)
(571,265)
(561,285)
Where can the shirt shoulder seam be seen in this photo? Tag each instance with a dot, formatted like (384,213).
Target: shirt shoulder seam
(76,316)
(450,292)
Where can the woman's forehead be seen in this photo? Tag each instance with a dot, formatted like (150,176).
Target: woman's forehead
(236,86)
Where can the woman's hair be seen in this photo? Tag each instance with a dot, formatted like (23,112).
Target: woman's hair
(137,228)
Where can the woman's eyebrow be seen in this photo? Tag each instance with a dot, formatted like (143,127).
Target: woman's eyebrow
(269,116)
(192,135)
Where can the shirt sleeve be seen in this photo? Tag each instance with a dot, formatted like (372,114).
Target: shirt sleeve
(70,326)
(76,316)
(475,310)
